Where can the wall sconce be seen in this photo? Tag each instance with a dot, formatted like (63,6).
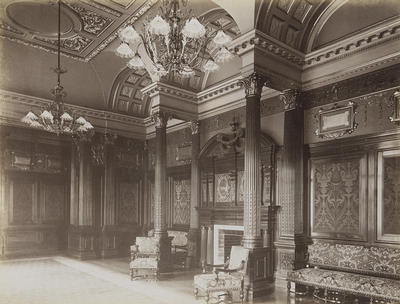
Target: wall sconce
(396,107)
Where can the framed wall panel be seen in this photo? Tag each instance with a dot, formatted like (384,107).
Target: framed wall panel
(338,194)
(388,196)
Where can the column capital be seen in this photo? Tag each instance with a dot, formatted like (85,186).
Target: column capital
(160,119)
(195,126)
(290,99)
(253,84)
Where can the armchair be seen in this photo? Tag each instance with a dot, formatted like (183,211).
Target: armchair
(145,257)
(226,282)
(179,247)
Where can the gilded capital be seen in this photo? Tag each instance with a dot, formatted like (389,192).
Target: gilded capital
(253,84)
(160,119)
(195,127)
(290,99)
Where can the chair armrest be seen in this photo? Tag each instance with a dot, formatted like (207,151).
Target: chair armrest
(204,265)
(231,270)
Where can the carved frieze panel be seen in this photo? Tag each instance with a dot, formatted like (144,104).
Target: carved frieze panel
(53,202)
(128,202)
(181,203)
(338,197)
(353,87)
(224,188)
(388,224)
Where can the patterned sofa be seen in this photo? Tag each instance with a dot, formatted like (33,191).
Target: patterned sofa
(336,269)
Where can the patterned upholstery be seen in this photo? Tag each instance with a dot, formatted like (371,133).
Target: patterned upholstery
(363,285)
(145,257)
(356,258)
(179,238)
(212,284)
(373,272)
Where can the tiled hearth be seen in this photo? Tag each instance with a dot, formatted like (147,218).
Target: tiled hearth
(225,236)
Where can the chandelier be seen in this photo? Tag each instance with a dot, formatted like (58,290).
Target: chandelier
(176,42)
(54,118)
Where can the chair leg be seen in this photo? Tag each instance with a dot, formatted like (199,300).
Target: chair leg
(207,296)
(196,292)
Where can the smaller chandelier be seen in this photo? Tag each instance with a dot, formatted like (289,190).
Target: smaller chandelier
(175,42)
(54,118)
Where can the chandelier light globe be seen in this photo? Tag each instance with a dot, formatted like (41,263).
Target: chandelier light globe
(46,115)
(136,63)
(35,124)
(124,51)
(29,118)
(81,120)
(210,66)
(223,55)
(66,117)
(88,125)
(194,29)
(221,38)
(129,35)
(159,26)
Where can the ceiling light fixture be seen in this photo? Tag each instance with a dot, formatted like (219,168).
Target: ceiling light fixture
(176,42)
(54,118)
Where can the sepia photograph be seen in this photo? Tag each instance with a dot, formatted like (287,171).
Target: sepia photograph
(199,151)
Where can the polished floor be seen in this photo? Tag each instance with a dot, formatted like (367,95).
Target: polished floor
(62,280)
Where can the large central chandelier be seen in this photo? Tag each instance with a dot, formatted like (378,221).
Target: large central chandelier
(176,42)
(55,118)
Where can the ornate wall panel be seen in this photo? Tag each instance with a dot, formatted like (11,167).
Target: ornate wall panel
(181,202)
(372,115)
(128,202)
(22,199)
(338,197)
(388,191)
(224,188)
(53,202)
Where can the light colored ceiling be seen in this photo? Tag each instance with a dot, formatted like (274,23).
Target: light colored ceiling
(97,78)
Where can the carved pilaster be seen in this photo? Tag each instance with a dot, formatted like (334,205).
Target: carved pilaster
(396,107)
(193,238)
(290,99)
(160,205)
(253,85)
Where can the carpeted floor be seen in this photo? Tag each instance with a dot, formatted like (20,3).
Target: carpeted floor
(62,280)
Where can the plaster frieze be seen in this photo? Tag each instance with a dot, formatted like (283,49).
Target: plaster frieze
(160,88)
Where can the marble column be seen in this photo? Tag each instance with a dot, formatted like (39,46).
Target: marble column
(253,85)
(194,232)
(160,203)
(293,166)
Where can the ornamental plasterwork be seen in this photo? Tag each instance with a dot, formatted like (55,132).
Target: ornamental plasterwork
(93,26)
(93,23)
(160,119)
(290,99)
(195,126)
(253,84)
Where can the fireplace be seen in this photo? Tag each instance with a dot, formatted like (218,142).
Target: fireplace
(225,236)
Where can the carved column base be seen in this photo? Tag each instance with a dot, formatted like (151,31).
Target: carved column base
(259,281)
(82,242)
(193,255)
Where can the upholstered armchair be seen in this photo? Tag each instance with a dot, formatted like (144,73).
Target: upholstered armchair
(226,282)
(145,256)
(179,246)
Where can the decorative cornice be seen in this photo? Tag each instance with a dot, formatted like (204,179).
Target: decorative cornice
(157,87)
(379,34)
(15,99)
(268,44)
(219,89)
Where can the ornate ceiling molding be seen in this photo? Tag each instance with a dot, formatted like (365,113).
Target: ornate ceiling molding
(157,88)
(13,105)
(95,26)
(377,35)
